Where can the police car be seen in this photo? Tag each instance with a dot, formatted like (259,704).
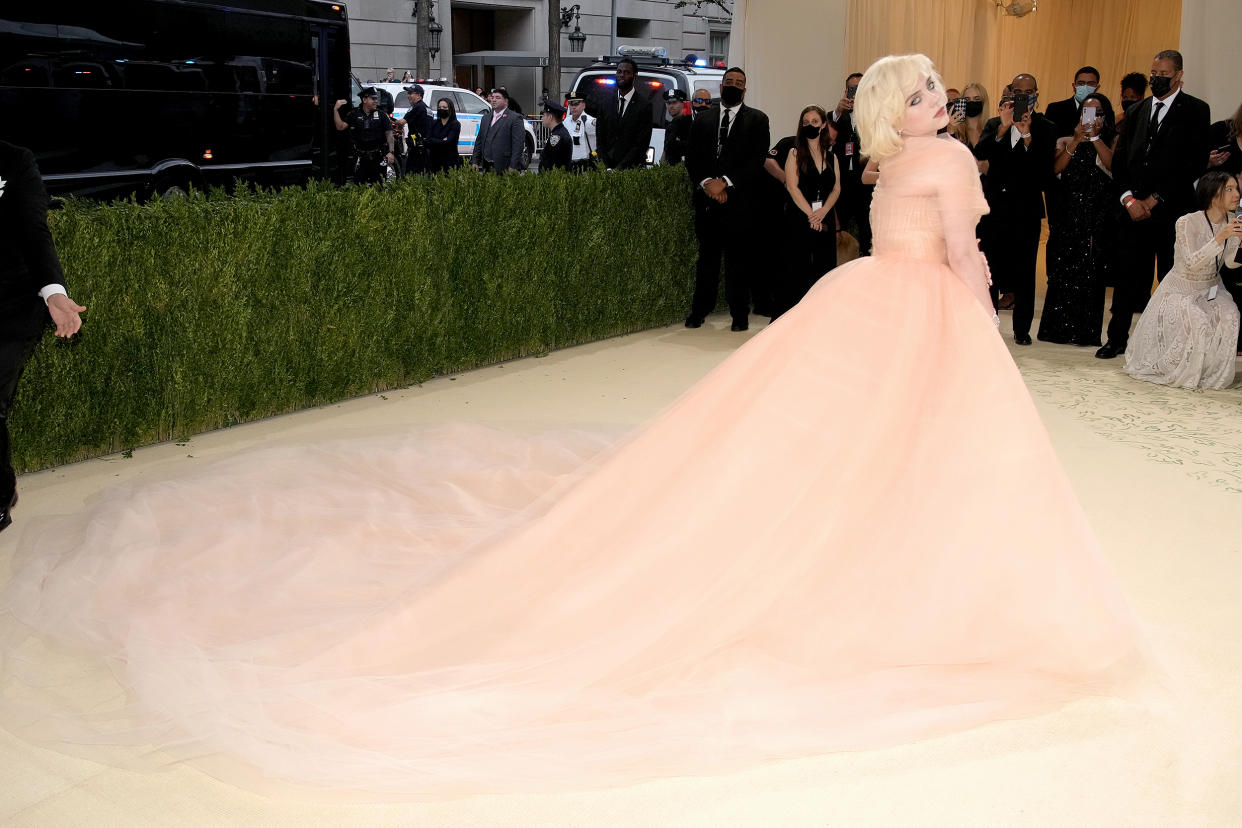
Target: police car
(657,75)
(470,111)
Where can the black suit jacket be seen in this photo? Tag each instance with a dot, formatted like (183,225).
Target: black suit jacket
(28,259)
(1177,157)
(1017,175)
(623,141)
(740,159)
(677,139)
(1065,116)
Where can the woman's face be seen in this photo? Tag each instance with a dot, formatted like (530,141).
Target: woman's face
(812,119)
(924,113)
(973,93)
(1227,198)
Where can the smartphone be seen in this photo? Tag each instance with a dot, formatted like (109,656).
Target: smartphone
(1226,148)
(1021,103)
(959,105)
(1088,115)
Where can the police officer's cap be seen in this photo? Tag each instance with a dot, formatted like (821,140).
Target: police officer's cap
(574,97)
(369,92)
(675,95)
(414,90)
(553,106)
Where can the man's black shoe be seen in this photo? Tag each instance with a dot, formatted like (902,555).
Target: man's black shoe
(694,321)
(1109,351)
(740,326)
(1022,339)
(6,514)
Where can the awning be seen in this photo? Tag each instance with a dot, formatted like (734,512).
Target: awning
(517,58)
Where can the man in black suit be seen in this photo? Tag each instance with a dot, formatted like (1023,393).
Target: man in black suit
(625,122)
(32,292)
(501,139)
(1066,114)
(728,145)
(1019,154)
(1162,152)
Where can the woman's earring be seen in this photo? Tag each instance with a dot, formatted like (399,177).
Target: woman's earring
(899,132)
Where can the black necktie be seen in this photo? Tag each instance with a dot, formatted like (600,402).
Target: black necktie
(1154,126)
(724,132)
(621,109)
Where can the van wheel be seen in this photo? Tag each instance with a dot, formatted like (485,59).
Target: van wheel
(173,191)
(528,152)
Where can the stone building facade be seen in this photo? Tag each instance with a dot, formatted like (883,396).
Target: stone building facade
(383,36)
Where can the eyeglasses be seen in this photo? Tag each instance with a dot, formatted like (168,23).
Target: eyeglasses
(703,100)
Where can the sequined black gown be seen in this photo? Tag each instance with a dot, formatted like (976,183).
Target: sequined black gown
(1081,251)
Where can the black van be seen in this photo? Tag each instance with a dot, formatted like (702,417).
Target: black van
(154,96)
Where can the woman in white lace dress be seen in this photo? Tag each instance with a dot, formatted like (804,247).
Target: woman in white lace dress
(1189,332)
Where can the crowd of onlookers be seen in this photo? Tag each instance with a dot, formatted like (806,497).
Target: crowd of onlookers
(1113,184)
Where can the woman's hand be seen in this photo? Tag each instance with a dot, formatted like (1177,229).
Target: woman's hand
(1215,159)
(957,116)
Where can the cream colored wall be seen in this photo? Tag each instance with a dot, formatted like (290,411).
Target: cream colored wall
(793,52)
(1211,46)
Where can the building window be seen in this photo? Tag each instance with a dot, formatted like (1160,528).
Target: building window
(718,47)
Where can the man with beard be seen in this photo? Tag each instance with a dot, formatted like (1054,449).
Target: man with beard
(625,122)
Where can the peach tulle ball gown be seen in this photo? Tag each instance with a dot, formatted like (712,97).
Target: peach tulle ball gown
(813,549)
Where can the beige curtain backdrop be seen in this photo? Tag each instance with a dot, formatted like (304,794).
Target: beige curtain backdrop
(976,40)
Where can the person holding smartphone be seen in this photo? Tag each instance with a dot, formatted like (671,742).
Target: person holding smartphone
(1082,239)
(1188,335)
(1019,146)
(1226,141)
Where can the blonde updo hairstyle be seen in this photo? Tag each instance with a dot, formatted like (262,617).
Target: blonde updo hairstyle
(880,103)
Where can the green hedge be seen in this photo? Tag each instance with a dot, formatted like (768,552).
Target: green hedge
(214,310)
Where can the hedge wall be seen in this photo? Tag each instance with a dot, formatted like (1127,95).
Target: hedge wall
(214,310)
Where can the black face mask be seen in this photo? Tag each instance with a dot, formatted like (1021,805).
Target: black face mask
(1127,106)
(973,109)
(731,95)
(1160,85)
(809,131)
(443,113)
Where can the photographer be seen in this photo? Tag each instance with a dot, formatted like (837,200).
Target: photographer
(371,132)
(855,200)
(1019,147)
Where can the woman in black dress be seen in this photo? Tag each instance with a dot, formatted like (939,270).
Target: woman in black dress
(443,137)
(1081,242)
(813,181)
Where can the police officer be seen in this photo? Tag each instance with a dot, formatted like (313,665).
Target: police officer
(676,127)
(558,148)
(371,132)
(581,128)
(419,119)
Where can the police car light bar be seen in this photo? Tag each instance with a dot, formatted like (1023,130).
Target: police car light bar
(643,51)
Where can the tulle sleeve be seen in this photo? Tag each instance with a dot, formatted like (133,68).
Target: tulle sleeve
(1198,248)
(956,176)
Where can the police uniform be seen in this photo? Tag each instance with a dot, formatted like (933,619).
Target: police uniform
(558,149)
(582,134)
(368,132)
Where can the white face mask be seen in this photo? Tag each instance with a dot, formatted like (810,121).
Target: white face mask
(1081,93)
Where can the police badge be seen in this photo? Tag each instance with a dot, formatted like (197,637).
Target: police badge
(554,140)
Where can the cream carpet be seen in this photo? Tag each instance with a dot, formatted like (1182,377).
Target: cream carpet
(1158,470)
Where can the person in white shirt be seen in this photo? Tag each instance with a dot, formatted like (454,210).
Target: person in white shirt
(581,128)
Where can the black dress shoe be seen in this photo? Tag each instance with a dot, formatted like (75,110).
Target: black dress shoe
(1022,339)
(694,321)
(740,326)
(1109,351)
(6,514)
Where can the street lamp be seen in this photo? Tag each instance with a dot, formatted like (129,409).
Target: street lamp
(434,30)
(577,40)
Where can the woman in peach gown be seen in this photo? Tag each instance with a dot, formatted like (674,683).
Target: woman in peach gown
(470,611)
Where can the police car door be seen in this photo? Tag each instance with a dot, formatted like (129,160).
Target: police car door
(470,110)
